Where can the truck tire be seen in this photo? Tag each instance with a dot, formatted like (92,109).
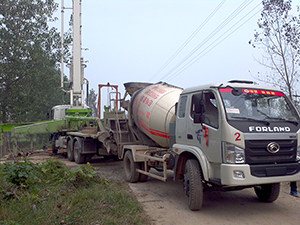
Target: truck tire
(70,150)
(267,192)
(130,167)
(78,157)
(54,149)
(192,184)
(143,177)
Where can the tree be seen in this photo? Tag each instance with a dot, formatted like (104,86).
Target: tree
(279,38)
(29,53)
(92,102)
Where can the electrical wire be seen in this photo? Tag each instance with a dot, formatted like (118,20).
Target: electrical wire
(202,53)
(188,40)
(237,11)
(211,35)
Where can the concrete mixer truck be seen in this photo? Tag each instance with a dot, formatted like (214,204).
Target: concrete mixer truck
(222,136)
(212,137)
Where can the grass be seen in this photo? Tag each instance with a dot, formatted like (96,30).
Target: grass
(51,193)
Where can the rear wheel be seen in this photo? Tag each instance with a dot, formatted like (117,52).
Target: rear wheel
(70,150)
(143,177)
(267,192)
(130,167)
(78,157)
(192,184)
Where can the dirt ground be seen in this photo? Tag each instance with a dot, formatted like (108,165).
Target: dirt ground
(165,203)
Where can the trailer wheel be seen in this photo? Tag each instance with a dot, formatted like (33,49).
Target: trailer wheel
(78,157)
(70,151)
(267,192)
(130,167)
(192,184)
(54,149)
(143,177)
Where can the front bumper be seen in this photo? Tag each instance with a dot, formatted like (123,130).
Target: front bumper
(228,178)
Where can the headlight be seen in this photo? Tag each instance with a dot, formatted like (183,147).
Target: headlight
(233,154)
(298,154)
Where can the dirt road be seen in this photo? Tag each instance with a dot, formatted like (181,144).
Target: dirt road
(165,203)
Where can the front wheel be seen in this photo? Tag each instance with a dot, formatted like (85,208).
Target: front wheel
(192,184)
(130,167)
(267,192)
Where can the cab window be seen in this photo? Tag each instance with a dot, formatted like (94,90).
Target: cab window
(211,116)
(182,106)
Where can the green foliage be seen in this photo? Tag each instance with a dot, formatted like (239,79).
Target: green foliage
(52,193)
(21,174)
(28,178)
(29,53)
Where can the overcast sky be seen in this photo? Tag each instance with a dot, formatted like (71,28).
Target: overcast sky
(142,40)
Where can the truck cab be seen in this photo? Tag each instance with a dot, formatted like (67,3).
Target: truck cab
(240,135)
(59,111)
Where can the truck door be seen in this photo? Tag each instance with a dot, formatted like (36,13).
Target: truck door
(206,135)
(182,113)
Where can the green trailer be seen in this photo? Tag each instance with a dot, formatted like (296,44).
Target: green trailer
(76,133)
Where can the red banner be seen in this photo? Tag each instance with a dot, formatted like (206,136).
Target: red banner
(254,91)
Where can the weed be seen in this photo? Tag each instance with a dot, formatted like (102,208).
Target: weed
(51,193)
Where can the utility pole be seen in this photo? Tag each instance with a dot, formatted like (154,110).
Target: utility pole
(77,64)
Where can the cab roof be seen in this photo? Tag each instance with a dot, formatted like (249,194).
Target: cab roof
(234,84)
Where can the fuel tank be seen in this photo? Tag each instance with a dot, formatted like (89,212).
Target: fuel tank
(153,109)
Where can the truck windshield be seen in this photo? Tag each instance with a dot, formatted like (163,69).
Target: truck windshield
(257,105)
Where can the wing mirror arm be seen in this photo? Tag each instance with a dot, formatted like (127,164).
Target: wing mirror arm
(199,103)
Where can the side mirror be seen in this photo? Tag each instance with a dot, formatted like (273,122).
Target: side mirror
(198,102)
(199,118)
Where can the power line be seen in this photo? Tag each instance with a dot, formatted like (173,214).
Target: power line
(188,40)
(197,57)
(211,35)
